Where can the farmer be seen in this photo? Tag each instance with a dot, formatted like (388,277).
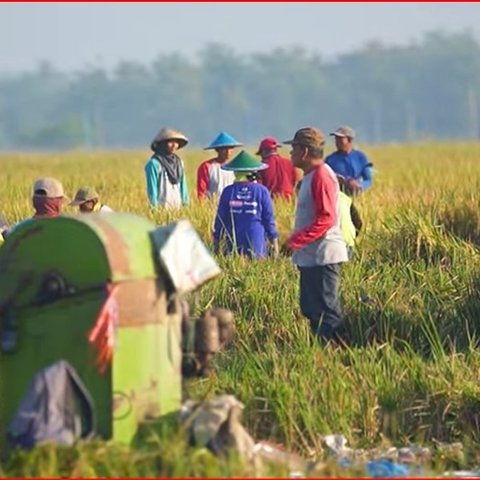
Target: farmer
(351,165)
(317,243)
(48,199)
(354,170)
(211,178)
(165,172)
(245,216)
(88,201)
(281,176)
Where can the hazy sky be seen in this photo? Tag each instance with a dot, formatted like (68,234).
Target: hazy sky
(72,35)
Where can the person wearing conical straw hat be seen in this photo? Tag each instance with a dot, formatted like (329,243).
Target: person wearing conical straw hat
(211,178)
(165,171)
(245,218)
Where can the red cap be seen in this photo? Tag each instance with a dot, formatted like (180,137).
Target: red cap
(268,143)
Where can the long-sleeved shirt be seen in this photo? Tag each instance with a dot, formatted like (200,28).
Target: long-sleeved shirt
(159,189)
(211,179)
(280,177)
(245,218)
(317,238)
(352,165)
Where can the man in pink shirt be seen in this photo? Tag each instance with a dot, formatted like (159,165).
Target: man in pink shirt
(211,178)
(317,242)
(281,176)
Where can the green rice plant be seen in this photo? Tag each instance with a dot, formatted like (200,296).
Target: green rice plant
(411,300)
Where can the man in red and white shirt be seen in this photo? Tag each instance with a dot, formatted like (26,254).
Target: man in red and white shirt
(317,242)
(281,176)
(211,178)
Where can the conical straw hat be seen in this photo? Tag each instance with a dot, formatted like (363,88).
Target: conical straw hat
(223,139)
(169,134)
(244,162)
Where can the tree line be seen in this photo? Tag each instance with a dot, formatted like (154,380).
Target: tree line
(426,90)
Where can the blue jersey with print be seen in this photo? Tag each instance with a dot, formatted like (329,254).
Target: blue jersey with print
(245,218)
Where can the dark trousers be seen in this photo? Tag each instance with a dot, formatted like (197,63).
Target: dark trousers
(319,299)
(356,218)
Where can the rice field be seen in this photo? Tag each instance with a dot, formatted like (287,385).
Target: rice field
(411,299)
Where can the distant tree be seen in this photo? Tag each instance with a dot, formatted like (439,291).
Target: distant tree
(87,98)
(226,104)
(177,99)
(429,88)
(63,135)
(288,88)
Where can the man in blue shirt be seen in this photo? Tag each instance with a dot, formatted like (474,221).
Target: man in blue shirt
(353,169)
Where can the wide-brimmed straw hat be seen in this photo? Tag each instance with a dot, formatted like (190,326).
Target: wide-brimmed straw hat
(84,194)
(166,134)
(223,140)
(244,162)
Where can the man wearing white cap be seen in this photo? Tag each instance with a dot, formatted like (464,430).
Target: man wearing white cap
(352,166)
(354,170)
(48,199)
